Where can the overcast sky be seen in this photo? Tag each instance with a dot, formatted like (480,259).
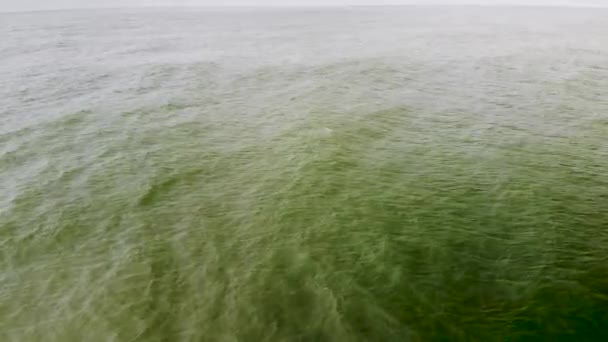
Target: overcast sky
(20,5)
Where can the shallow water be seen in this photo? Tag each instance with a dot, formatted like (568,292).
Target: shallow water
(388,174)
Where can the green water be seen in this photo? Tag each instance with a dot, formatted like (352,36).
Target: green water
(368,200)
(377,230)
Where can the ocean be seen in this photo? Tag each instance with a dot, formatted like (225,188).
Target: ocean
(304,174)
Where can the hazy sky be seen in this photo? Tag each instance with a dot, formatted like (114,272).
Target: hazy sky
(18,5)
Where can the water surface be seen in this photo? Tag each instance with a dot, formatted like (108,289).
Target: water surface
(388,174)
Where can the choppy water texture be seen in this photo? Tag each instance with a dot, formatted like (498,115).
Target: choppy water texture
(388,174)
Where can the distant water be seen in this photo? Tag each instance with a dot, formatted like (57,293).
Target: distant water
(388,174)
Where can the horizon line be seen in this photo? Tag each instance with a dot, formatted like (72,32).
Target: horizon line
(213,7)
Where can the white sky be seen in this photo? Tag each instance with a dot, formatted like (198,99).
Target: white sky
(21,5)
